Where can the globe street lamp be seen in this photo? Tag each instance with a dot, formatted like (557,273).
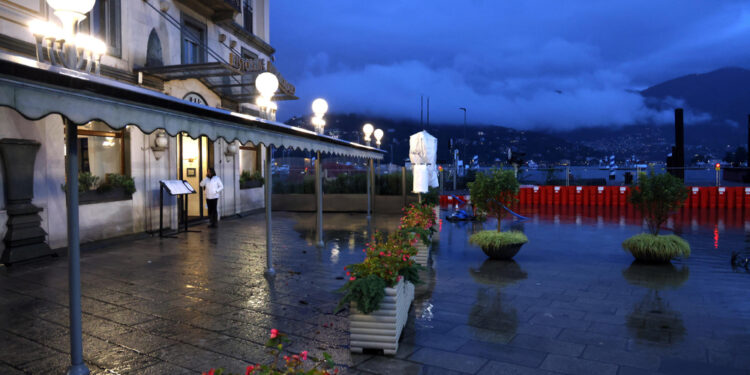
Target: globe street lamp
(266,83)
(319,107)
(378,133)
(368,129)
(63,46)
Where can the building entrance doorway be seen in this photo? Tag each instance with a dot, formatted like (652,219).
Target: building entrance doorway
(195,156)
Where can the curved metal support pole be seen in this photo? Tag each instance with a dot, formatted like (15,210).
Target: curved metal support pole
(270,272)
(318,203)
(77,367)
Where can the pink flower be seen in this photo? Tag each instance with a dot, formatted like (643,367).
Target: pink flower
(352,278)
(274,333)
(295,357)
(304,355)
(381,253)
(286,358)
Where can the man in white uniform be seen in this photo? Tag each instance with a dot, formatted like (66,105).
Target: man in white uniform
(212,186)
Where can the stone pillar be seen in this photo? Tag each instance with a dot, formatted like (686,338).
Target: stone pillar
(25,238)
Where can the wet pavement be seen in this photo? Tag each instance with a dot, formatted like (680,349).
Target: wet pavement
(572,302)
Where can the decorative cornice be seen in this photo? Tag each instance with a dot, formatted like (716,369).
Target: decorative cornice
(247,37)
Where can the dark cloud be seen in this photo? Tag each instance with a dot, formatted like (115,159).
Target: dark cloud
(517,63)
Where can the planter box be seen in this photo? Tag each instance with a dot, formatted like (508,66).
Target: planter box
(423,253)
(382,328)
(436,227)
(251,184)
(93,196)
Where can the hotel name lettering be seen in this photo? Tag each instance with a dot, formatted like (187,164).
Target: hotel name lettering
(259,66)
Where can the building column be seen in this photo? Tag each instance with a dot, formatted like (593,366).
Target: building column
(268,192)
(371,193)
(77,367)
(318,203)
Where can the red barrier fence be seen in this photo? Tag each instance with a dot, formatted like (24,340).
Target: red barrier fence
(617,196)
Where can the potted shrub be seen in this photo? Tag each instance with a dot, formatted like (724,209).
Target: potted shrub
(250,180)
(380,291)
(491,193)
(115,187)
(419,219)
(657,197)
(301,363)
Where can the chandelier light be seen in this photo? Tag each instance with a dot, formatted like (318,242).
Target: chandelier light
(62,46)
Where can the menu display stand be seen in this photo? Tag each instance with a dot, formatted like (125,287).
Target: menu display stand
(175,188)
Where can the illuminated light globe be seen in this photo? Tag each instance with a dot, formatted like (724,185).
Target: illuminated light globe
(71,12)
(267,84)
(319,107)
(368,129)
(378,135)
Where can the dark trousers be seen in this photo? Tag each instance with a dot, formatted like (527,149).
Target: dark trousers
(212,213)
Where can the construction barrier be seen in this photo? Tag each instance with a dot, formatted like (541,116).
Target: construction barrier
(617,196)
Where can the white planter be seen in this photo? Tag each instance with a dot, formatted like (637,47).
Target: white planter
(382,328)
(423,253)
(436,234)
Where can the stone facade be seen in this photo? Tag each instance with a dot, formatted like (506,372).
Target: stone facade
(138,21)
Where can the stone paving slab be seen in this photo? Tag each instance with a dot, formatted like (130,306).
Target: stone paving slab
(185,305)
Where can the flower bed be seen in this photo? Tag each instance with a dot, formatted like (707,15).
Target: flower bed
(301,363)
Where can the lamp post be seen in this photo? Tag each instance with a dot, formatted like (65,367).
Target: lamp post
(64,46)
(319,107)
(378,133)
(266,83)
(70,13)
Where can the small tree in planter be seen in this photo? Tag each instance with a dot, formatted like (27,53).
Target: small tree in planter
(491,193)
(657,197)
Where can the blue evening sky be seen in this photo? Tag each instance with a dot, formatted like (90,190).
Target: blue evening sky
(530,63)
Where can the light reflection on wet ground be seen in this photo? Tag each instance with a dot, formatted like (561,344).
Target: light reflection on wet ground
(572,286)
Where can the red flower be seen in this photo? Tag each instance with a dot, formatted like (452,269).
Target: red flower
(274,333)
(249,369)
(352,278)
(304,355)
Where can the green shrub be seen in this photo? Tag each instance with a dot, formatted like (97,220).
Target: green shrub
(491,238)
(114,180)
(656,249)
(87,181)
(490,191)
(656,196)
(247,176)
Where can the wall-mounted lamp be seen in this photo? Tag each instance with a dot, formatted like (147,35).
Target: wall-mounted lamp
(230,151)
(161,143)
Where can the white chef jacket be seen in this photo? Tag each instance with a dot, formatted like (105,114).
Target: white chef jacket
(213,187)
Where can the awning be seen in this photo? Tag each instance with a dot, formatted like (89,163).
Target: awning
(37,90)
(224,79)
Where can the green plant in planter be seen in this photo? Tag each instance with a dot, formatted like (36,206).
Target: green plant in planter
(490,192)
(387,261)
(490,238)
(247,176)
(652,248)
(115,181)
(657,197)
(87,181)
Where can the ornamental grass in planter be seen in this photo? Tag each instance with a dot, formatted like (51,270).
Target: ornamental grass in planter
(491,193)
(657,197)
(499,245)
(380,291)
